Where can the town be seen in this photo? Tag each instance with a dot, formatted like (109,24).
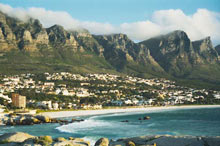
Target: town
(57,91)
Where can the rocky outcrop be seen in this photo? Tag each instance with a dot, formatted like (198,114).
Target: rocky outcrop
(102,142)
(121,52)
(173,51)
(217,48)
(167,141)
(24,139)
(25,119)
(205,50)
(59,37)
(16,119)
(53,49)
(177,55)
(15,137)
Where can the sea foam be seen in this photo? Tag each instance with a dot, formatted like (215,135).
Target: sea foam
(88,124)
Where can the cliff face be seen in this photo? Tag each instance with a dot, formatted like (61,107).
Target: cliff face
(206,51)
(121,52)
(7,38)
(217,48)
(55,48)
(178,55)
(15,34)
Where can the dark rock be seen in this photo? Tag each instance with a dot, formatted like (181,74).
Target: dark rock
(60,139)
(42,118)
(125,121)
(146,118)
(76,120)
(130,143)
(102,142)
(43,140)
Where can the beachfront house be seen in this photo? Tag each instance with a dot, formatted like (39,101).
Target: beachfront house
(44,104)
(217,96)
(5,97)
(149,101)
(55,106)
(128,102)
(135,101)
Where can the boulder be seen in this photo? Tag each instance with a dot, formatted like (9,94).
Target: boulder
(80,142)
(43,140)
(15,137)
(71,138)
(63,143)
(60,139)
(30,142)
(24,120)
(10,122)
(42,118)
(146,118)
(35,120)
(102,142)
(125,121)
(130,143)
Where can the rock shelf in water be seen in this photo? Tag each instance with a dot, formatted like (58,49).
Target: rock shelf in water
(16,119)
(24,139)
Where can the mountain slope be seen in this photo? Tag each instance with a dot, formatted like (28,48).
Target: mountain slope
(38,48)
(184,59)
(28,47)
(127,56)
(217,48)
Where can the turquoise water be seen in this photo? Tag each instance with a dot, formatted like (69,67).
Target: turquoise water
(196,122)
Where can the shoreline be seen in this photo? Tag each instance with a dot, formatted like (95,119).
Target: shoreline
(65,114)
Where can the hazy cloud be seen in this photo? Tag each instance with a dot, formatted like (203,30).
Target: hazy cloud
(198,25)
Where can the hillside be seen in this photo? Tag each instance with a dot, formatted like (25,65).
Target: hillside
(185,59)
(29,47)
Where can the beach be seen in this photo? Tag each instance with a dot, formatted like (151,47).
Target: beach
(177,121)
(61,114)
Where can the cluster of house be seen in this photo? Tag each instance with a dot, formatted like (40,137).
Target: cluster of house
(102,86)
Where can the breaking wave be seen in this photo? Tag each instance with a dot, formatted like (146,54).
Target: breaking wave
(88,124)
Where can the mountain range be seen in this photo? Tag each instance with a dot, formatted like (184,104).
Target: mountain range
(26,46)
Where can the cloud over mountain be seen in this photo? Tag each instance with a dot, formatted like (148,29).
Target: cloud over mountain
(198,25)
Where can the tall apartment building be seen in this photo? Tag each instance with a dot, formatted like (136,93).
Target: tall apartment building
(18,100)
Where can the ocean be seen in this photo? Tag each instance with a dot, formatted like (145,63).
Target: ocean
(195,122)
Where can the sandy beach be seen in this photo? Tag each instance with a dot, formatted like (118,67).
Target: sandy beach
(61,114)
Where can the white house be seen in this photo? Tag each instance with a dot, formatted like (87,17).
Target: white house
(45,104)
(55,106)
(150,101)
(135,101)
(217,96)
(65,92)
(5,97)
(128,101)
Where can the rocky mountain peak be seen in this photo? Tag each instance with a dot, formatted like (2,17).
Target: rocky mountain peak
(178,34)
(56,29)
(204,45)
(172,54)
(56,33)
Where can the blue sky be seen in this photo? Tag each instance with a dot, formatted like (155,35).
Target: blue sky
(139,19)
(116,11)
